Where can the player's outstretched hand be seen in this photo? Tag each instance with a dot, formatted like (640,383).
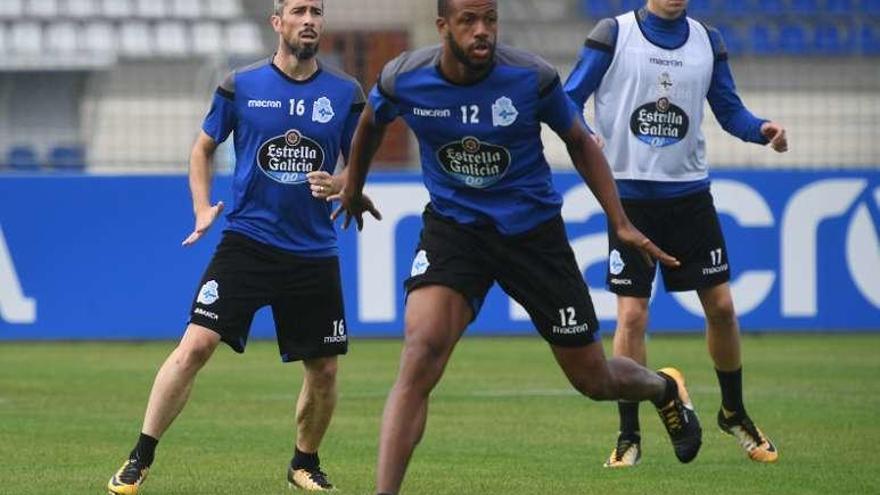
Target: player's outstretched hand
(776,134)
(324,185)
(630,235)
(354,206)
(204,219)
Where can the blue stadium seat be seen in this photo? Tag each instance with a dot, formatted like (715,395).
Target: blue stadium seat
(628,5)
(67,158)
(744,8)
(701,8)
(733,38)
(870,7)
(22,157)
(793,38)
(770,7)
(840,7)
(833,39)
(805,7)
(598,9)
(870,39)
(763,39)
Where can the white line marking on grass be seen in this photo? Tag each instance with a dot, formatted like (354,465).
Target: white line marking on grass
(535,392)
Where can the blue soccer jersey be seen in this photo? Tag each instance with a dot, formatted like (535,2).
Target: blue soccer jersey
(480,144)
(284,129)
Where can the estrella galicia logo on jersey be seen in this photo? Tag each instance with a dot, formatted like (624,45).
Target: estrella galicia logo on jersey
(503,112)
(289,157)
(209,293)
(322,110)
(659,123)
(476,164)
(615,263)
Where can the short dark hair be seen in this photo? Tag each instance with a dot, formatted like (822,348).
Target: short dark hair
(443,8)
(279,6)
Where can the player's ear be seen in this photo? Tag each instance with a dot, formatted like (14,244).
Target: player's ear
(275,22)
(442,25)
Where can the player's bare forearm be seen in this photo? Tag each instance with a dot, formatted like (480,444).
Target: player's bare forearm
(590,163)
(366,141)
(200,171)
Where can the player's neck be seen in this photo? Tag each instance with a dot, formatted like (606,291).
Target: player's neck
(458,73)
(295,68)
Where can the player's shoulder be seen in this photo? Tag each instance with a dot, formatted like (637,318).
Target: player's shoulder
(413,60)
(407,62)
(516,57)
(231,80)
(340,75)
(719,48)
(603,36)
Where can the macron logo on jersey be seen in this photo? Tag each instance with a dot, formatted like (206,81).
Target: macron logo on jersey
(264,104)
(435,113)
(666,62)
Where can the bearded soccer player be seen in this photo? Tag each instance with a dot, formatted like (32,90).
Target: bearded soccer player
(650,71)
(291,115)
(494,216)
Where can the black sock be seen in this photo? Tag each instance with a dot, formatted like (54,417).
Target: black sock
(669,394)
(302,460)
(629,418)
(145,450)
(731,390)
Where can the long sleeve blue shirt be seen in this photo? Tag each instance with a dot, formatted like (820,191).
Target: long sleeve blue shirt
(734,117)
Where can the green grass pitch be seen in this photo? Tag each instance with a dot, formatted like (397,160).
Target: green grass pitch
(502,421)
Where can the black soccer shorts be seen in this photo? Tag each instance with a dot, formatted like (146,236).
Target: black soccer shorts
(685,227)
(305,295)
(536,268)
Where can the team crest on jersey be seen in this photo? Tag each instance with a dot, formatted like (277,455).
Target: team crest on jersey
(322,110)
(665,82)
(474,163)
(503,112)
(209,293)
(289,157)
(659,123)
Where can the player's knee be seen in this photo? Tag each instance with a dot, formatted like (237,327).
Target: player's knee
(720,312)
(593,389)
(632,321)
(322,372)
(194,354)
(423,363)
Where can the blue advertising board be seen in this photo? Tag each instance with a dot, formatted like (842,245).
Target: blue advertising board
(98,257)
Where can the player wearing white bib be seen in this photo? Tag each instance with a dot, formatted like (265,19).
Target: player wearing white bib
(650,71)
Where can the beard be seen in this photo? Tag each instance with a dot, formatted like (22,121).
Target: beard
(461,55)
(303,51)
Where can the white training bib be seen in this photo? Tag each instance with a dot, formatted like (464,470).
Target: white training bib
(649,106)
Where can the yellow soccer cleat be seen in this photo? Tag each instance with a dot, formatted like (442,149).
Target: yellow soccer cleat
(680,419)
(311,480)
(627,453)
(129,478)
(758,447)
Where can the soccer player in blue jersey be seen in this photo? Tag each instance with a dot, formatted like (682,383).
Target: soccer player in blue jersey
(291,115)
(650,72)
(494,216)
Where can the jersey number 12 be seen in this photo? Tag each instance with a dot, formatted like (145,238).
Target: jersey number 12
(474,114)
